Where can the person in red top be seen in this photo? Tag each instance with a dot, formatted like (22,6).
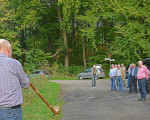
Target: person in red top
(142,75)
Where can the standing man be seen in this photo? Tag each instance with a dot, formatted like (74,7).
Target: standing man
(112,74)
(119,75)
(123,77)
(95,73)
(142,75)
(12,78)
(133,78)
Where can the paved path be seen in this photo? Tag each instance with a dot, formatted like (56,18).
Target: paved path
(84,102)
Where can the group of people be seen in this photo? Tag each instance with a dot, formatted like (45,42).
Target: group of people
(118,73)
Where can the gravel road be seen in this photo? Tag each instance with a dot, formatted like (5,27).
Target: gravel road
(83,102)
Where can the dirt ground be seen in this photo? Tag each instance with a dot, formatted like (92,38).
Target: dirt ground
(83,102)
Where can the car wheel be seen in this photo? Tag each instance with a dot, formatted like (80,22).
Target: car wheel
(80,77)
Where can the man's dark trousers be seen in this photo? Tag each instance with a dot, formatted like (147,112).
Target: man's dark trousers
(133,80)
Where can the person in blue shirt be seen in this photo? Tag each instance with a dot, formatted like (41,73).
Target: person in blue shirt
(112,74)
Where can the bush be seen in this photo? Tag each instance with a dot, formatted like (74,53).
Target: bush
(36,59)
(58,71)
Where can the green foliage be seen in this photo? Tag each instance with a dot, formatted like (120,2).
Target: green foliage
(35,29)
(70,9)
(36,59)
(132,38)
(75,70)
(88,20)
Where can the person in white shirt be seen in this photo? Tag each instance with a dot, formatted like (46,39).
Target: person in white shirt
(112,74)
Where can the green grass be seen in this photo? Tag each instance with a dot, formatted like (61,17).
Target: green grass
(34,108)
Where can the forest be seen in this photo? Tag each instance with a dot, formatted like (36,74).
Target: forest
(72,35)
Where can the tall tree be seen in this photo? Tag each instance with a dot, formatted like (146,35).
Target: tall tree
(65,15)
(88,18)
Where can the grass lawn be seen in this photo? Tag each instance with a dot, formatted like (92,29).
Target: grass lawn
(34,108)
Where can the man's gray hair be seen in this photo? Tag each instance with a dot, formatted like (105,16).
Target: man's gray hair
(94,66)
(133,64)
(140,61)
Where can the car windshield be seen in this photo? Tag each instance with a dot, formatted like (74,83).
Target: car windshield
(101,70)
(35,72)
(87,70)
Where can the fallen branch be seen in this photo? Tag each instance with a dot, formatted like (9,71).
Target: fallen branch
(57,51)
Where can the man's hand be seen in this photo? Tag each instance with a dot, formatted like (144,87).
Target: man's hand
(27,87)
(99,73)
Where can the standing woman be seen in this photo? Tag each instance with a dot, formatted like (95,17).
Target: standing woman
(112,74)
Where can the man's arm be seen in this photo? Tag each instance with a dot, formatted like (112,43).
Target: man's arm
(98,72)
(24,80)
(109,73)
(28,87)
(114,72)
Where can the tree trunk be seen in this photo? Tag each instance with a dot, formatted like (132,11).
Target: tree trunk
(64,34)
(23,44)
(73,36)
(83,47)
(66,51)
